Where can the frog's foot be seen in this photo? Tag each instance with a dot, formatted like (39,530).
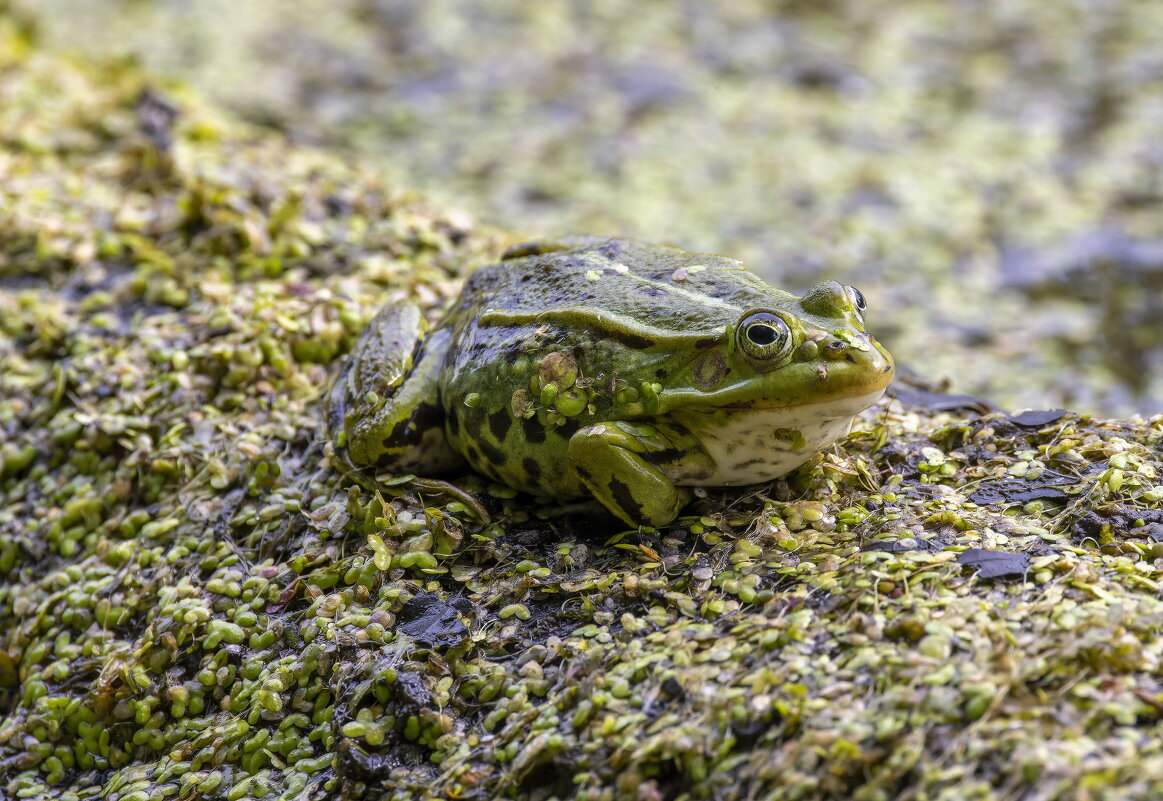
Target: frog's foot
(613,460)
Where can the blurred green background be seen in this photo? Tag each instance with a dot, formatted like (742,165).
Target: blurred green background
(989,173)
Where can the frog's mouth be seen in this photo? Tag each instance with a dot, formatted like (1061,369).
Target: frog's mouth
(847,381)
(828,398)
(802,413)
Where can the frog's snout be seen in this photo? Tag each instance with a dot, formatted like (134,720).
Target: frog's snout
(861,351)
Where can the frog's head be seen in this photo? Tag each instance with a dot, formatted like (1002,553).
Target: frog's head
(780,383)
(807,353)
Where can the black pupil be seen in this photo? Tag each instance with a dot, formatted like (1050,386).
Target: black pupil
(761,334)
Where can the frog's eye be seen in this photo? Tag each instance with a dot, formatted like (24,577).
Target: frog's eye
(764,336)
(857,298)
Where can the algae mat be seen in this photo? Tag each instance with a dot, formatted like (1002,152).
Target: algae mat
(195,605)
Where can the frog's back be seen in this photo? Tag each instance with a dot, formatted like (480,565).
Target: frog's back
(666,289)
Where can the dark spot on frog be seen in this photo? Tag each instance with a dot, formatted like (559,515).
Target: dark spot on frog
(336,206)
(491,453)
(611,250)
(568,428)
(427,415)
(848,357)
(713,288)
(534,431)
(706,342)
(424,417)
(522,250)
(632,340)
(660,373)
(472,454)
(500,422)
(453,424)
(625,499)
(748,464)
(651,291)
(663,456)
(532,468)
(472,418)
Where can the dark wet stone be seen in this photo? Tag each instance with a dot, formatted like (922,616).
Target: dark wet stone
(919,398)
(1037,419)
(412,692)
(1016,491)
(1120,519)
(995,564)
(431,622)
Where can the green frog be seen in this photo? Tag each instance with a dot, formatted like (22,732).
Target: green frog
(613,369)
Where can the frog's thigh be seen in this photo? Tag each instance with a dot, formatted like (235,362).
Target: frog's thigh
(393,418)
(612,460)
(385,351)
(409,427)
(379,362)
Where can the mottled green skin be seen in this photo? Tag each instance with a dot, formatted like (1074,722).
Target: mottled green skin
(611,368)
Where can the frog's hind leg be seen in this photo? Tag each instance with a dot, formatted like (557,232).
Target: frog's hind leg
(386,401)
(613,461)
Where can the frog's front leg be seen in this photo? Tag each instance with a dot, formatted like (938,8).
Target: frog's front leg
(386,402)
(619,464)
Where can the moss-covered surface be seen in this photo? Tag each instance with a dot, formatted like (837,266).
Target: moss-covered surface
(195,604)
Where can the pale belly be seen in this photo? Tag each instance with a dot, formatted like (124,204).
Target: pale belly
(766,444)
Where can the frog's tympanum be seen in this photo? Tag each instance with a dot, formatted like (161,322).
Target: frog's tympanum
(614,369)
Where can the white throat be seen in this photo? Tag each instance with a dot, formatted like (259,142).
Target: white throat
(765,444)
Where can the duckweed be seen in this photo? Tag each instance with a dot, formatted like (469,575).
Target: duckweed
(195,602)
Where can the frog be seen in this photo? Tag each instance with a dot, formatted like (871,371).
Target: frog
(613,370)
